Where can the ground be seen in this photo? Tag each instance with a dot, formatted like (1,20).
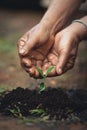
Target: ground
(13,24)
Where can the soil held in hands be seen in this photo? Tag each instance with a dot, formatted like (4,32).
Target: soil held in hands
(56,102)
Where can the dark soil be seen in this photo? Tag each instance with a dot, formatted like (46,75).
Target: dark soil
(58,103)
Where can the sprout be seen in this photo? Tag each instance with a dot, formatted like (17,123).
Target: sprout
(44,76)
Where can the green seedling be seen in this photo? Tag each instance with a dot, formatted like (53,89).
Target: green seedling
(38,111)
(2,91)
(44,76)
(16,112)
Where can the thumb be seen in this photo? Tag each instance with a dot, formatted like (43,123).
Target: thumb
(63,57)
(28,46)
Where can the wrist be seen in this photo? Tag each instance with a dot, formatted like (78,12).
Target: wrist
(80,30)
(57,16)
(46,24)
(53,28)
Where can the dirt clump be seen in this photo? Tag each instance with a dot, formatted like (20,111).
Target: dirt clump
(56,102)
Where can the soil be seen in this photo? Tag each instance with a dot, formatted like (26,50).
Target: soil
(56,102)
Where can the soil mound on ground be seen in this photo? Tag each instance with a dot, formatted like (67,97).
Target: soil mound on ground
(56,102)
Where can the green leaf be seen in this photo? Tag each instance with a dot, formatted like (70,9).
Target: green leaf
(13,111)
(49,70)
(16,112)
(37,111)
(2,91)
(40,71)
(42,87)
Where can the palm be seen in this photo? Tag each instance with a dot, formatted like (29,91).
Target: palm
(60,53)
(36,57)
(63,52)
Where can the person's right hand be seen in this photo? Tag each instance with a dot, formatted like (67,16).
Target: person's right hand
(64,52)
(34,46)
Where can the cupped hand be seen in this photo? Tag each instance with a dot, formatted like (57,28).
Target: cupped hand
(34,47)
(62,54)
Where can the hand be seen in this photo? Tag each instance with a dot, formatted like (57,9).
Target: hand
(64,51)
(33,48)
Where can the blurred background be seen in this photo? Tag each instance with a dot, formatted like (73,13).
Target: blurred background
(17,17)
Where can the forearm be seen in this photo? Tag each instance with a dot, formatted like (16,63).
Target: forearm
(82,29)
(84,19)
(79,29)
(58,14)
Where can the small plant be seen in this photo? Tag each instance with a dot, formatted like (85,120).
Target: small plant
(38,111)
(2,91)
(16,112)
(44,76)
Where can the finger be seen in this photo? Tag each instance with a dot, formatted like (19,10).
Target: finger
(63,57)
(39,63)
(29,45)
(53,59)
(32,71)
(34,62)
(20,45)
(71,62)
(67,67)
(22,41)
(53,73)
(72,59)
(45,61)
(37,74)
(46,66)
(26,62)
(25,68)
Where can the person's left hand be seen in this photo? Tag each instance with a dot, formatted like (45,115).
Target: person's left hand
(34,47)
(64,51)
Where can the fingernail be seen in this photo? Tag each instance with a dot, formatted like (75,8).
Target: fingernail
(22,43)
(22,51)
(60,71)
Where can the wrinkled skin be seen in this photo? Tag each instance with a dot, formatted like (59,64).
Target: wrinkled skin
(34,47)
(60,53)
(40,47)
(63,53)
